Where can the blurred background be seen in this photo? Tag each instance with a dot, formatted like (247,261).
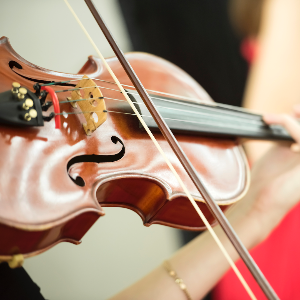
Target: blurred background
(197,37)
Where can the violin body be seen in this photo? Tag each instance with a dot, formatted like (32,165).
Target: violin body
(55,183)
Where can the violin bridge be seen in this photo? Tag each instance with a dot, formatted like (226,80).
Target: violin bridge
(93,108)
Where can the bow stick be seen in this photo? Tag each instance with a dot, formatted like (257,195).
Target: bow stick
(214,208)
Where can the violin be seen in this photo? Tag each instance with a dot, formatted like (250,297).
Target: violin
(99,155)
(60,179)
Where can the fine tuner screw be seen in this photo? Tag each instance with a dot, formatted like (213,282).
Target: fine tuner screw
(22,93)
(32,114)
(27,104)
(15,88)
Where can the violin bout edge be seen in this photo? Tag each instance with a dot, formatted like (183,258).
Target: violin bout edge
(33,242)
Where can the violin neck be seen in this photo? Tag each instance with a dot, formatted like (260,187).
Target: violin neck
(209,119)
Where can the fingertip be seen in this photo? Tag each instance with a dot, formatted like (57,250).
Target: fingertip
(269,118)
(296,110)
(295,147)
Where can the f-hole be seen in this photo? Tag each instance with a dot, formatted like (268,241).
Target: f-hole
(15,65)
(95,159)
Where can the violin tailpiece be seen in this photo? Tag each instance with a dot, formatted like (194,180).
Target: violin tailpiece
(20,107)
(93,108)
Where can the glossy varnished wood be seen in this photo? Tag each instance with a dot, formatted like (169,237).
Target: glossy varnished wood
(37,195)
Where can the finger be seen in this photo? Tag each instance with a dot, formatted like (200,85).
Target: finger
(296,111)
(288,122)
(295,147)
(272,119)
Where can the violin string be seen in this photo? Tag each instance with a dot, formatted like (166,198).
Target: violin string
(230,107)
(78,100)
(165,118)
(236,118)
(252,122)
(192,122)
(80,112)
(204,106)
(193,202)
(85,87)
(208,108)
(214,104)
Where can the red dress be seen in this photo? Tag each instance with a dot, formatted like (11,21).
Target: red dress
(278,257)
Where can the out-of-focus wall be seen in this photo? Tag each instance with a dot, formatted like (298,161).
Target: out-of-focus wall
(118,249)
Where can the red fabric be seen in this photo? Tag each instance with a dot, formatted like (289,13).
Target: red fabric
(279,259)
(249,49)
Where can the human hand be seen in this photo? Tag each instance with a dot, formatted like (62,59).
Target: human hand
(275,177)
